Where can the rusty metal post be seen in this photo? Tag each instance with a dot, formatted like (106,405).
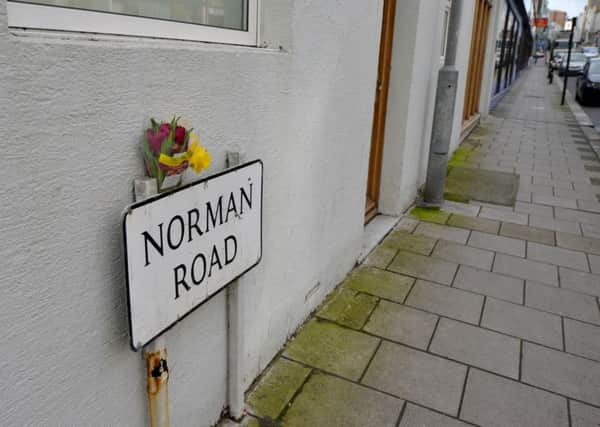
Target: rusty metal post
(155,353)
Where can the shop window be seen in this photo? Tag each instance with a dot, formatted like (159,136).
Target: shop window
(220,21)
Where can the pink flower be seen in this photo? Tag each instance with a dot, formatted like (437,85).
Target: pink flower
(155,140)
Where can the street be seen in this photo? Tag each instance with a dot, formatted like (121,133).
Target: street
(592,111)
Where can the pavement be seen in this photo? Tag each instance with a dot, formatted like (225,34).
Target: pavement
(474,315)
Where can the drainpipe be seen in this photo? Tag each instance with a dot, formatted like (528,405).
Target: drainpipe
(443,116)
(155,353)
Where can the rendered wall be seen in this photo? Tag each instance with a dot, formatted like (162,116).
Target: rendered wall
(73,110)
(413,83)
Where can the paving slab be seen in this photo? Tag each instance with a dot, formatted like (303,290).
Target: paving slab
(446,301)
(402,324)
(276,388)
(562,301)
(380,283)
(329,401)
(558,256)
(577,216)
(563,373)
(407,224)
(437,231)
(525,269)
(554,224)
(580,281)
(504,215)
(592,231)
(544,199)
(506,245)
(582,339)
(465,255)
(417,376)
(594,263)
(477,347)
(523,322)
(418,416)
(380,257)
(434,269)
(348,307)
(583,415)
(461,209)
(491,284)
(474,223)
(494,401)
(578,243)
(527,233)
(409,242)
(332,348)
(534,209)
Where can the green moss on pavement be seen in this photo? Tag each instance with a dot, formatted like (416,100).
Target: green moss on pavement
(437,216)
(276,388)
(348,307)
(332,348)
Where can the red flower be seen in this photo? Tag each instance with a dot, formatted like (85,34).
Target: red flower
(179,135)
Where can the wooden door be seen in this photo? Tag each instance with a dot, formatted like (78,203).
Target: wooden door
(476,60)
(377,137)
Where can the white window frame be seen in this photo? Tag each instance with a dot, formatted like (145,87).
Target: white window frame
(46,17)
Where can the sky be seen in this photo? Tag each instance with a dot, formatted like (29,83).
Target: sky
(572,7)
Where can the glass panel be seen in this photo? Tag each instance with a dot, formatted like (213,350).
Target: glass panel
(230,14)
(445,32)
(500,45)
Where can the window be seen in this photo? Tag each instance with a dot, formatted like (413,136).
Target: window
(220,21)
(445,24)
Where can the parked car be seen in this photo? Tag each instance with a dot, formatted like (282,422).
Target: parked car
(587,90)
(556,60)
(576,64)
(590,51)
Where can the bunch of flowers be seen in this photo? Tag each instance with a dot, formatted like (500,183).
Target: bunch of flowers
(169,149)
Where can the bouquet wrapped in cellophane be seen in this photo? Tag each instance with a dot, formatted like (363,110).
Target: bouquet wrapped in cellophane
(169,149)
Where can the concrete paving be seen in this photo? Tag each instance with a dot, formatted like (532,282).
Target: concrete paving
(481,315)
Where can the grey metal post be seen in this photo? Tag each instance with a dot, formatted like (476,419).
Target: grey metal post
(443,116)
(564,92)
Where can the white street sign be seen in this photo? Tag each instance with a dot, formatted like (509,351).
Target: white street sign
(183,247)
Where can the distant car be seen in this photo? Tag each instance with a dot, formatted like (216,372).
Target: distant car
(576,64)
(556,60)
(588,84)
(590,51)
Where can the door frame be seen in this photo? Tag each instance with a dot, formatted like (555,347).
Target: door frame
(380,110)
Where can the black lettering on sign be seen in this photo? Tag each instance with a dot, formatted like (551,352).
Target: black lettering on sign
(179,220)
(180,280)
(244,196)
(214,260)
(230,207)
(202,258)
(193,224)
(157,247)
(230,256)
(211,216)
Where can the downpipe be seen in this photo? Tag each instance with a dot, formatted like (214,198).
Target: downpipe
(441,134)
(443,117)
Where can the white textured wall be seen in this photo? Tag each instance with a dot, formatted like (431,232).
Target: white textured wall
(73,110)
(413,83)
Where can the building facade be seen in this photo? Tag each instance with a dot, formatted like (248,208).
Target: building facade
(559,17)
(337,101)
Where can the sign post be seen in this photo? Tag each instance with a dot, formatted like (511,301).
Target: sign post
(183,247)
(574,22)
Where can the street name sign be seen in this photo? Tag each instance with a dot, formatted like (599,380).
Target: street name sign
(183,247)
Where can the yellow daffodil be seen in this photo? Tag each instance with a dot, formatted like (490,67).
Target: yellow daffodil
(199,158)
